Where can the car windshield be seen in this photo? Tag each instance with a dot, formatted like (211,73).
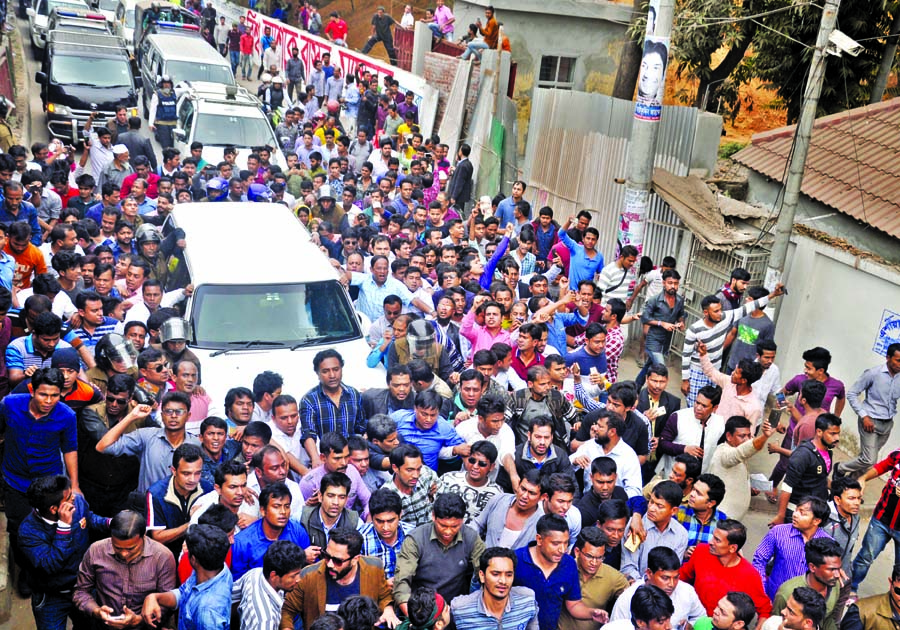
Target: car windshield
(195,71)
(238,131)
(316,313)
(108,5)
(92,71)
(44,8)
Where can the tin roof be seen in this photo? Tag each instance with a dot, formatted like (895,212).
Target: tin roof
(852,163)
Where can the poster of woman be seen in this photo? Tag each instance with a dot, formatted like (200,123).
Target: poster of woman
(652,78)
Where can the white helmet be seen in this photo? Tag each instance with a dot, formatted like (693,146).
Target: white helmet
(278,80)
(266,77)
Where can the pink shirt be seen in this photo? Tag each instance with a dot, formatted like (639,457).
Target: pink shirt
(732,404)
(479,336)
(441,15)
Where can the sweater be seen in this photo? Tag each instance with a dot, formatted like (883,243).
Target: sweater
(713,581)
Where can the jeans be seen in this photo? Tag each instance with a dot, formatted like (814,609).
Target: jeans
(235,58)
(474,48)
(246,66)
(869,446)
(874,542)
(436,30)
(653,358)
(52,609)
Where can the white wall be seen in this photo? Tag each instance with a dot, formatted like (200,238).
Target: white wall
(836,301)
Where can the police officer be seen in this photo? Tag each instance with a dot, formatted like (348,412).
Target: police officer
(162,112)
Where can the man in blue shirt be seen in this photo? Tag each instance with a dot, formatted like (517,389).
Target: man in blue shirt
(37,429)
(169,501)
(546,568)
(506,208)
(14,208)
(585,261)
(424,428)
(251,544)
(204,601)
(591,358)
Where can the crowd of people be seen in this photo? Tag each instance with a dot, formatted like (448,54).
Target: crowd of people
(505,472)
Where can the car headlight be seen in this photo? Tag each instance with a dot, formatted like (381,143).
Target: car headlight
(59,110)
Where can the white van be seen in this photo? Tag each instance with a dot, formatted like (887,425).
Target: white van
(123,24)
(265,298)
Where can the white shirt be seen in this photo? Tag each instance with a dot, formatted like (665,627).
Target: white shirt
(211,498)
(407,21)
(684,598)
(628,467)
(261,416)
(290,443)
(505,440)
(46,249)
(297,501)
(62,305)
(140,313)
(769,383)
(689,433)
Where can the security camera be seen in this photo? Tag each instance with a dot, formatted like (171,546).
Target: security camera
(842,43)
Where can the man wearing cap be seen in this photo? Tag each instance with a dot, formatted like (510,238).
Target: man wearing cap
(138,145)
(162,112)
(75,393)
(117,170)
(327,209)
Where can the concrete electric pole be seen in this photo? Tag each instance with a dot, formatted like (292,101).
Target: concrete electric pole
(801,145)
(645,126)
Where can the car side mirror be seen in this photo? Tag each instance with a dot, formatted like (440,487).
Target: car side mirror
(40,78)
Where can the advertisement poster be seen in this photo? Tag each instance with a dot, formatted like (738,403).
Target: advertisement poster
(652,79)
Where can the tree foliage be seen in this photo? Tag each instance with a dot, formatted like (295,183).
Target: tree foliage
(776,48)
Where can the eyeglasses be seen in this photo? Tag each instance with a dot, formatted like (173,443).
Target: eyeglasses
(159,369)
(118,401)
(336,561)
(479,462)
(591,557)
(174,413)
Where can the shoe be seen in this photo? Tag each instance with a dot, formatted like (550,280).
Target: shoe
(23,587)
(836,471)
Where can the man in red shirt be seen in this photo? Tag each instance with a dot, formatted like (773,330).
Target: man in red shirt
(885,522)
(715,568)
(336,30)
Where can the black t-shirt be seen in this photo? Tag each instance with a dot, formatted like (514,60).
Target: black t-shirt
(589,505)
(383,26)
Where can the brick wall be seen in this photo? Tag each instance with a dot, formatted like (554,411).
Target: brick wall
(440,71)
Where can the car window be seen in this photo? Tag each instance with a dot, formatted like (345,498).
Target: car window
(186,117)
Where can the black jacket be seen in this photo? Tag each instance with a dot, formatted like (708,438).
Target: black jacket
(460,187)
(807,474)
(671,402)
(379,400)
(558,464)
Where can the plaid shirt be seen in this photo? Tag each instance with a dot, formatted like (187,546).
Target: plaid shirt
(319,415)
(417,506)
(698,532)
(615,344)
(374,546)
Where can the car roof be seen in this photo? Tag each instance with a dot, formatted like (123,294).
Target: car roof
(101,45)
(213,231)
(186,46)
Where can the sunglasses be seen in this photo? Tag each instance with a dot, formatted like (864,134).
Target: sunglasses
(478,462)
(336,561)
(119,401)
(159,369)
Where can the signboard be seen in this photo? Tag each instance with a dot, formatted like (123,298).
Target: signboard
(888,332)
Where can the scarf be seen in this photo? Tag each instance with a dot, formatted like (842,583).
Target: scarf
(439,604)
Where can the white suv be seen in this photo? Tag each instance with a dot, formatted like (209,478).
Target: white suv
(221,115)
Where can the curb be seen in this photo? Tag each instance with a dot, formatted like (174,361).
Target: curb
(19,78)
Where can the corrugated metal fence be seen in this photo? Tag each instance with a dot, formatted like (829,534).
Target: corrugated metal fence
(578,144)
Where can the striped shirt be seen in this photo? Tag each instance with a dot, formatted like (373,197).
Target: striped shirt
(20,354)
(417,506)
(613,281)
(319,415)
(90,340)
(521,612)
(785,543)
(713,338)
(259,603)
(373,545)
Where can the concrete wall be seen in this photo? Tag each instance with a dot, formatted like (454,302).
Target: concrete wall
(818,216)
(440,71)
(579,32)
(836,301)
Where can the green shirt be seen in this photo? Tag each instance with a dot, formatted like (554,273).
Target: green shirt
(785,590)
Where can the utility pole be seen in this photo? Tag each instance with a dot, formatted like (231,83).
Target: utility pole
(645,126)
(811,94)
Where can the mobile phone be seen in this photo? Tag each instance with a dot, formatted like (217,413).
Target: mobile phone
(782,401)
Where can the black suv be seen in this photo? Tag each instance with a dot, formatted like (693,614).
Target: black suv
(78,77)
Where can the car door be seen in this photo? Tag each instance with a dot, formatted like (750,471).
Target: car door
(185,109)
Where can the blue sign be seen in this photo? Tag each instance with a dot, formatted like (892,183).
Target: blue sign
(888,332)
